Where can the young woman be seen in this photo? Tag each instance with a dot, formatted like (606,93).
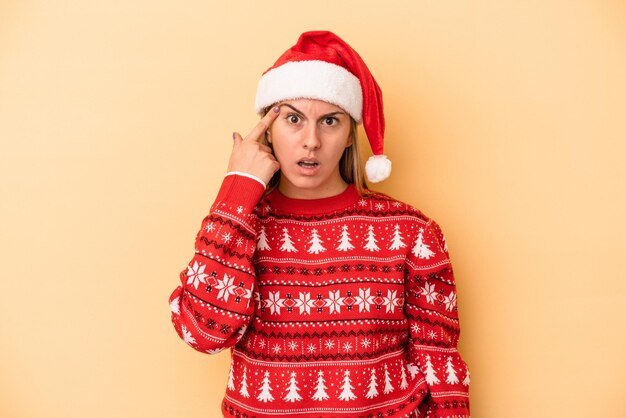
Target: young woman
(336,301)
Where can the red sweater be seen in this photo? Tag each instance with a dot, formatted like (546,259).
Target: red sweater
(344,306)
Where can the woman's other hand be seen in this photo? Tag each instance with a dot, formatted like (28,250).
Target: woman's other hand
(252,157)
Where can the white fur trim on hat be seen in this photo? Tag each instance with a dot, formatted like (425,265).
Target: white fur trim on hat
(313,79)
(377,168)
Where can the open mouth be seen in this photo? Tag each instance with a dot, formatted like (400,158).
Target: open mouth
(308,164)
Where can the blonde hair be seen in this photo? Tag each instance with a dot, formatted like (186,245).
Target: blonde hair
(350,167)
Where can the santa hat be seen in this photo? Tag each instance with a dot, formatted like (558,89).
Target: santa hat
(324,67)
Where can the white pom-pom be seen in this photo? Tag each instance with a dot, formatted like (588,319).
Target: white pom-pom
(377,168)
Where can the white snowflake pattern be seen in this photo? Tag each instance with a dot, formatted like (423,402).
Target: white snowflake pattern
(397,204)
(385,338)
(391,300)
(415,328)
(293,346)
(304,303)
(262,343)
(334,301)
(187,337)
(311,348)
(226,287)
(366,343)
(362,202)
(276,348)
(347,347)
(239,242)
(227,236)
(432,334)
(196,275)
(175,305)
(240,210)
(210,227)
(364,300)
(379,206)
(330,344)
(274,302)
(450,301)
(429,291)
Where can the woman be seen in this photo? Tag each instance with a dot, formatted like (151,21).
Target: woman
(335,300)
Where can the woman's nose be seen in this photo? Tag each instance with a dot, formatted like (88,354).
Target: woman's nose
(311,139)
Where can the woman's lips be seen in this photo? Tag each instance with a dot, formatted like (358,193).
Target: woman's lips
(308,167)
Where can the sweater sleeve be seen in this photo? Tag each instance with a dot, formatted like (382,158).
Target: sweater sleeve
(214,303)
(431,308)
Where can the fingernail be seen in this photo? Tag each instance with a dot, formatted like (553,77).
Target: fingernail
(276,109)
(233,135)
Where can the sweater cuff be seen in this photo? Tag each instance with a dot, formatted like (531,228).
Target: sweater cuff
(241,173)
(239,192)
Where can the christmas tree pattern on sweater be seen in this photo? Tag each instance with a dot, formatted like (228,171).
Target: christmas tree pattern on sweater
(345,306)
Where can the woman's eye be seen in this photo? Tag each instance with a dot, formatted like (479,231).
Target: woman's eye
(293,118)
(330,121)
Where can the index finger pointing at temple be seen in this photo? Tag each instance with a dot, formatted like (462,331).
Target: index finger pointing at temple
(264,124)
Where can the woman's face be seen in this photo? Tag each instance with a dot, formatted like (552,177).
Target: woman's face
(308,137)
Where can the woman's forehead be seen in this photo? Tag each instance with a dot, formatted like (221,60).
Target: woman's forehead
(312,106)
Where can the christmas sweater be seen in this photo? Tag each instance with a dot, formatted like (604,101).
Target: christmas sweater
(343,306)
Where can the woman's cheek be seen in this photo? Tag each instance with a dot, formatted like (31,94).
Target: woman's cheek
(278,154)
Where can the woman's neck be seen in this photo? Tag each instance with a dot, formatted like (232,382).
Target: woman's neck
(316,206)
(293,192)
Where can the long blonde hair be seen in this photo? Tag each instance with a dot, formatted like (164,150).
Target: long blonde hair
(350,166)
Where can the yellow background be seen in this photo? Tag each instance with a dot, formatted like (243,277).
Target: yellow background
(505,123)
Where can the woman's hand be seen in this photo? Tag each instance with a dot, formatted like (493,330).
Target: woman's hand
(252,157)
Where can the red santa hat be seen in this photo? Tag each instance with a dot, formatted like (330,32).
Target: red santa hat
(324,67)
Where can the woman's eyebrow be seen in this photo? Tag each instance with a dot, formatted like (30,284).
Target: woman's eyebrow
(323,116)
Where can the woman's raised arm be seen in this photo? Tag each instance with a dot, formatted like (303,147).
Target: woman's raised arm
(214,302)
